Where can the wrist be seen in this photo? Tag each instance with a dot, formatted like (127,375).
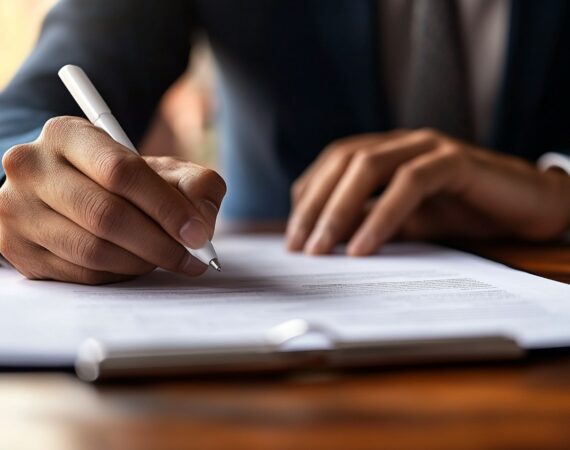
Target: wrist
(560,182)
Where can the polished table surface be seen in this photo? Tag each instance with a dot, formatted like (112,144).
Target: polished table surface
(521,405)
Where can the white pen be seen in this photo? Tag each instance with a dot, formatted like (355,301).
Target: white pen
(95,108)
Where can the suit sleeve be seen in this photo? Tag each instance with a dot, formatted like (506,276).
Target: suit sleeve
(133,50)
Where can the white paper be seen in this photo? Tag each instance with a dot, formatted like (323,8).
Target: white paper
(408,291)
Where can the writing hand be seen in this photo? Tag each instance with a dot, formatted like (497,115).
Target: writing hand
(79,207)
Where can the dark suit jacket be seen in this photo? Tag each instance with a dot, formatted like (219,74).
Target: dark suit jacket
(294,75)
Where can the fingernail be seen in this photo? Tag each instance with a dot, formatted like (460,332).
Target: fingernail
(194,234)
(320,241)
(209,210)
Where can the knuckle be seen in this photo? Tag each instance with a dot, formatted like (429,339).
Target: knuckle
(409,175)
(215,182)
(427,133)
(456,158)
(56,127)
(365,161)
(19,160)
(163,165)
(196,181)
(103,214)
(91,252)
(338,149)
(451,151)
(118,169)
(347,144)
(363,158)
(340,159)
(340,152)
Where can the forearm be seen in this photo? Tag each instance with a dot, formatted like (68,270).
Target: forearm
(132,49)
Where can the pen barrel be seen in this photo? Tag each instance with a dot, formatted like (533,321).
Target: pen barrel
(83,91)
(110,125)
(205,254)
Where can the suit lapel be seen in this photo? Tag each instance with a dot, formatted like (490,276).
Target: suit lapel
(533,34)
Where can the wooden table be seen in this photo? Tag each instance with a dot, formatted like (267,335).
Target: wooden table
(524,405)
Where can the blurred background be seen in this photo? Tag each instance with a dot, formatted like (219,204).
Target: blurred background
(20,22)
(183,125)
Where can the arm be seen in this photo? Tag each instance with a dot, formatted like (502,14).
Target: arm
(132,49)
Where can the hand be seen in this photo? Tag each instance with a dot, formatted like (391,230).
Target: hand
(435,187)
(79,207)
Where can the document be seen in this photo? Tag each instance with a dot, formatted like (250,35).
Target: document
(406,291)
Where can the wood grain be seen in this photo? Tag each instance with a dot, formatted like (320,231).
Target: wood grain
(522,405)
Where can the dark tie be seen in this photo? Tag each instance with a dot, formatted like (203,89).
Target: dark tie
(436,93)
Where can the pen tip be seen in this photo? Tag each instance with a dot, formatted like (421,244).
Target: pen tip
(216,264)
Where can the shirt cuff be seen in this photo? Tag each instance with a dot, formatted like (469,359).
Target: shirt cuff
(553,160)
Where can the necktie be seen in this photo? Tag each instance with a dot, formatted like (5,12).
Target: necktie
(436,93)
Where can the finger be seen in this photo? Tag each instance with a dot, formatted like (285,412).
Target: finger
(349,145)
(311,192)
(37,263)
(112,218)
(70,242)
(205,189)
(428,174)
(305,214)
(199,185)
(369,169)
(120,171)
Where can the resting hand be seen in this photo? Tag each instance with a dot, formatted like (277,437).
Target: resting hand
(435,187)
(79,207)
